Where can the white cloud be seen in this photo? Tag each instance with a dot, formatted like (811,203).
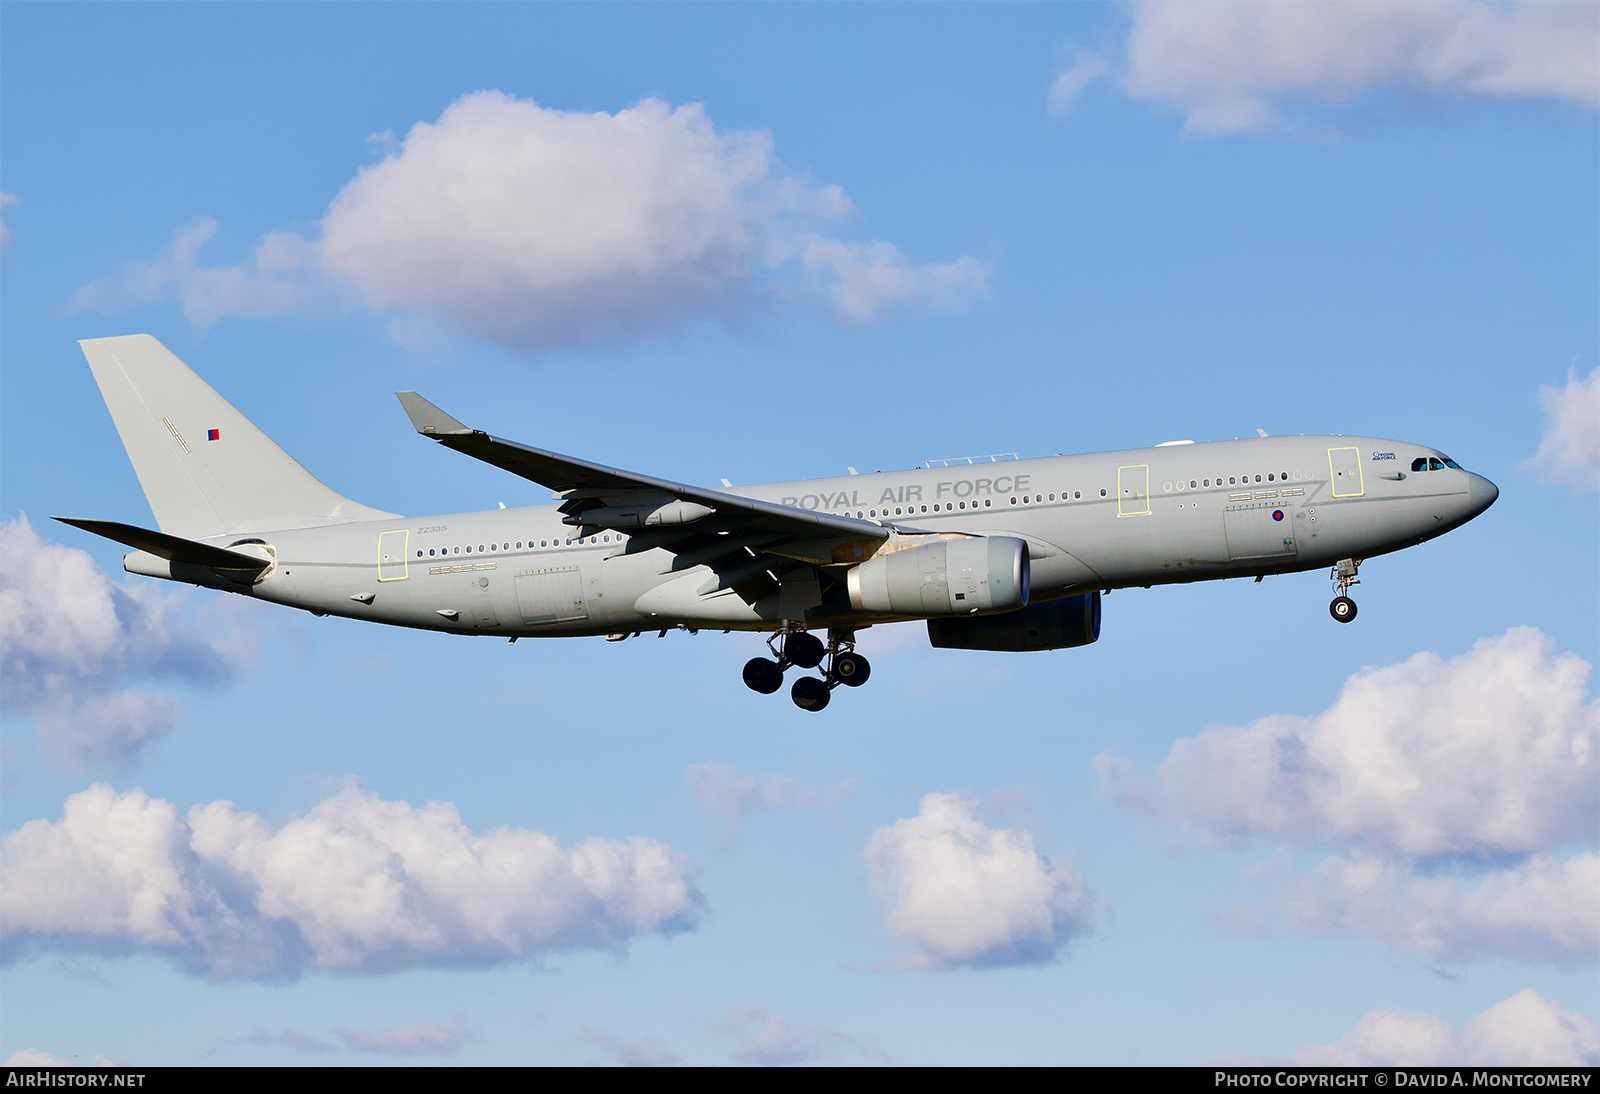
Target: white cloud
(1492,752)
(357,884)
(644,1052)
(35,1057)
(1434,778)
(1570,449)
(733,794)
(1544,910)
(541,228)
(1230,66)
(1526,1030)
(415,1039)
(966,894)
(70,640)
(1086,67)
(6,201)
(868,281)
(771,1040)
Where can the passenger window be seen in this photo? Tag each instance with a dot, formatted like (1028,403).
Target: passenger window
(1102,491)
(986,503)
(1193,484)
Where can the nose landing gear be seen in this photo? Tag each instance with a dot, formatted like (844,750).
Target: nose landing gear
(1344,575)
(792,646)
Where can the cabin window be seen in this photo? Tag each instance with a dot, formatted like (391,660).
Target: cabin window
(1014,500)
(1052,497)
(987,502)
(1258,478)
(1193,484)
(1102,491)
(1077,494)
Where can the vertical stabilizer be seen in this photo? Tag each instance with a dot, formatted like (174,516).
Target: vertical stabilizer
(205,468)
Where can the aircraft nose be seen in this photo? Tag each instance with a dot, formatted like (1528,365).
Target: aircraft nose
(1481,493)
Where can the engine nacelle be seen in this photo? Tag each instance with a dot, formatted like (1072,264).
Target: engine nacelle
(1052,625)
(951,577)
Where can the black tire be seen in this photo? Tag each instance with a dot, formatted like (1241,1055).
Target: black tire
(809,693)
(805,650)
(1343,609)
(851,669)
(762,675)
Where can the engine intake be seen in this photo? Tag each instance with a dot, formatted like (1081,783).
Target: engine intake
(951,577)
(1052,625)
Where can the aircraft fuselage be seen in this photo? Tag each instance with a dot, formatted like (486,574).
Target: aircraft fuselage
(1174,513)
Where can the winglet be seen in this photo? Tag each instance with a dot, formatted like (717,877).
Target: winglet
(428,419)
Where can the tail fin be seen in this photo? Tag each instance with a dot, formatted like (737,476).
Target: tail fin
(205,468)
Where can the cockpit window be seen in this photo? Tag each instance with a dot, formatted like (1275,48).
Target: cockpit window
(1448,462)
(1434,464)
(1419,464)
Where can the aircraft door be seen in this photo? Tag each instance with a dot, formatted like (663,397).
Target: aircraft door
(392,548)
(1344,464)
(1133,490)
(551,596)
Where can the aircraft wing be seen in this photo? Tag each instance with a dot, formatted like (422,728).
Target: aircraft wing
(595,493)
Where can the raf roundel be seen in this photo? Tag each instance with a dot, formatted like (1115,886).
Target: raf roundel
(1277,514)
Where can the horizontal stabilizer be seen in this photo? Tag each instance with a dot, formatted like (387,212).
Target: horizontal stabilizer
(168,547)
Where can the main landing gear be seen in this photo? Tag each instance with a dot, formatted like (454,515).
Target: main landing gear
(791,646)
(1344,575)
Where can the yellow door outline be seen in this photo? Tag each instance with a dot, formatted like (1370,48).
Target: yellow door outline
(1340,489)
(392,548)
(1129,482)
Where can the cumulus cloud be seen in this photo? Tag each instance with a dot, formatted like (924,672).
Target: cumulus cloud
(1542,910)
(1526,1030)
(541,228)
(1491,752)
(644,1052)
(965,894)
(771,1040)
(1570,449)
(71,640)
(1482,766)
(1236,66)
(357,884)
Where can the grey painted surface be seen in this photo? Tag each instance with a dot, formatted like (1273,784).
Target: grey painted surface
(1174,513)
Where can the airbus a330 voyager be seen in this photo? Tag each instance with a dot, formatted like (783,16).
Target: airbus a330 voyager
(1005,555)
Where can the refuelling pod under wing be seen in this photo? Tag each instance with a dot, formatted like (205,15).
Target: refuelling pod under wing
(951,577)
(1052,625)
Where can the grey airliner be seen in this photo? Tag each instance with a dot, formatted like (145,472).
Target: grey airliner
(999,554)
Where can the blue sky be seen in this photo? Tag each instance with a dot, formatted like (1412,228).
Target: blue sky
(767,242)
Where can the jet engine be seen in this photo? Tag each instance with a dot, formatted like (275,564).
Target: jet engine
(1051,625)
(951,577)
